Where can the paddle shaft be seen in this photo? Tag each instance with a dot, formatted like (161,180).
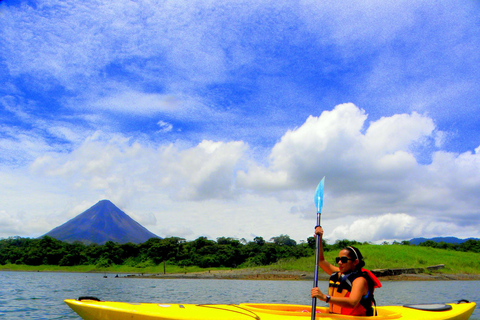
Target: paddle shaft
(315,277)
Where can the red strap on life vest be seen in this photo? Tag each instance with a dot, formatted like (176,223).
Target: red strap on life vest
(376,282)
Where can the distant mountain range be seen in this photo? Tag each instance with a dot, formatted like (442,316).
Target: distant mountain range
(101,223)
(417,241)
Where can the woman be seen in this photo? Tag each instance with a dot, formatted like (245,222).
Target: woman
(350,289)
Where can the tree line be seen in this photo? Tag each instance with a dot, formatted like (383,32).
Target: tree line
(202,252)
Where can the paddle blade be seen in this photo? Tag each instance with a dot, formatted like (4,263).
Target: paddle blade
(319,195)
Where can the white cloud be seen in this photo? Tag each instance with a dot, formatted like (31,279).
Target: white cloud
(9,223)
(164,126)
(379,228)
(300,155)
(375,189)
(209,169)
(18,147)
(136,102)
(121,169)
(391,227)
(397,133)
(373,172)
(333,144)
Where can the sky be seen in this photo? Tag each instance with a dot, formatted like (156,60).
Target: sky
(219,118)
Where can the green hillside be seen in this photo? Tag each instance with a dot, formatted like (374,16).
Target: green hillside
(399,256)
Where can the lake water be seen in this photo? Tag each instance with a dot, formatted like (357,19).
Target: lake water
(35,295)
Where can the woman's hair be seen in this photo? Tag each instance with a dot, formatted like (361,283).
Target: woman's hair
(354,253)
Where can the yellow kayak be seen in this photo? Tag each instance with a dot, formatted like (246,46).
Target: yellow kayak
(90,308)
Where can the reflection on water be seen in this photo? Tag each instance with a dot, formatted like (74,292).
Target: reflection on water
(33,295)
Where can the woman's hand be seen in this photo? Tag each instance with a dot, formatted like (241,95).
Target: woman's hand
(316,293)
(319,232)
(322,263)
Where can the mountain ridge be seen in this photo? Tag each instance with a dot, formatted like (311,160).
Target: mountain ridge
(101,223)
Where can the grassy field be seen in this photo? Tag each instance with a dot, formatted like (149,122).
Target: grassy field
(399,256)
(376,257)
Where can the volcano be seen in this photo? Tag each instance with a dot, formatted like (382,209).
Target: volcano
(101,223)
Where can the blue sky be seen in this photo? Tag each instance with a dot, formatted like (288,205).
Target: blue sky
(219,118)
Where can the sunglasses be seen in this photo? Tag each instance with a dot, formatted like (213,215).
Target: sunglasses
(343,259)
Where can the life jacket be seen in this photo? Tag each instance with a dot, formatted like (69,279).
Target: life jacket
(341,286)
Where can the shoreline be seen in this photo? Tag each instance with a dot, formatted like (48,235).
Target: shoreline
(248,274)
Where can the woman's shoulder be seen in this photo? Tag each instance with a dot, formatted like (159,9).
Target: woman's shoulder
(358,277)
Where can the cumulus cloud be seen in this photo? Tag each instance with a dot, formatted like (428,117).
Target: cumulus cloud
(380,228)
(370,169)
(371,174)
(206,171)
(387,195)
(121,169)
(335,143)
(391,227)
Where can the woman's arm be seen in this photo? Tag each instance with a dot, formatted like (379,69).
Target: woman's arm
(322,263)
(359,289)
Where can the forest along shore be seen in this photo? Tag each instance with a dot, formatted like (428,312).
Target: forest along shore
(247,274)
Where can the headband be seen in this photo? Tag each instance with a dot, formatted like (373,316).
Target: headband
(354,251)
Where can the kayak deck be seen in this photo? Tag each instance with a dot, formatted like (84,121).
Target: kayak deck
(106,310)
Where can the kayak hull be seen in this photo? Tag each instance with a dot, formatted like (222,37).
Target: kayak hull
(107,310)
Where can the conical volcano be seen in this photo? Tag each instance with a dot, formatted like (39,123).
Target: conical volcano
(101,223)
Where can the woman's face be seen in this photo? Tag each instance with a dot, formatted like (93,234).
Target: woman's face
(346,266)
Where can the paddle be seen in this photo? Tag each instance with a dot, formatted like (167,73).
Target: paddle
(319,204)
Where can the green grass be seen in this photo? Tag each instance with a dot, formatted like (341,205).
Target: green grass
(376,257)
(399,256)
(21,267)
(112,269)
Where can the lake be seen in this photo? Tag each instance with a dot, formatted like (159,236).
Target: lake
(40,295)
